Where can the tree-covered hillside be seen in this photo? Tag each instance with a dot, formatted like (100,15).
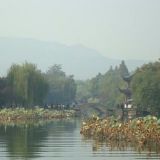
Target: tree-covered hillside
(104,88)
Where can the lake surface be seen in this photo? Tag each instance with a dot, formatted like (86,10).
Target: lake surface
(59,140)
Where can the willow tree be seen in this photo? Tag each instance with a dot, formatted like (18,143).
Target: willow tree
(27,83)
(5,92)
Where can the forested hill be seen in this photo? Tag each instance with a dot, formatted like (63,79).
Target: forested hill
(78,60)
(105,89)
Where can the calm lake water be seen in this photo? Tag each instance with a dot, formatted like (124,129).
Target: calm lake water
(59,140)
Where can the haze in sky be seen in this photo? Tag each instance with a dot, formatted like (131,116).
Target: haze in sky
(122,29)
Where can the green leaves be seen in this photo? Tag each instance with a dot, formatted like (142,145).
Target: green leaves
(27,83)
(146,87)
(62,88)
(104,87)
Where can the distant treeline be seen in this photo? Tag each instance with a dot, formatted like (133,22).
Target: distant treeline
(27,86)
(104,88)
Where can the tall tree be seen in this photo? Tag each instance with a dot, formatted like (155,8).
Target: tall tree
(123,69)
(27,83)
(62,88)
(5,91)
(146,87)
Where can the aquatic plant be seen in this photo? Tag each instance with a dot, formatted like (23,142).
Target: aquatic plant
(142,131)
(21,114)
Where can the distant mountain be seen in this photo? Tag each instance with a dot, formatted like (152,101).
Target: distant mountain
(78,60)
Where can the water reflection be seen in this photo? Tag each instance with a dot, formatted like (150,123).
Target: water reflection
(26,140)
(61,140)
(21,139)
(132,150)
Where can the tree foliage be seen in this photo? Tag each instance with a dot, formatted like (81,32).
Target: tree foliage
(27,83)
(5,91)
(105,87)
(26,86)
(146,87)
(62,88)
(83,90)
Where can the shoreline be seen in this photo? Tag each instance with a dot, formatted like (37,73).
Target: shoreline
(24,115)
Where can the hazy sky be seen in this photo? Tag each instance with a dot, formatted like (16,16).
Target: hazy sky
(116,28)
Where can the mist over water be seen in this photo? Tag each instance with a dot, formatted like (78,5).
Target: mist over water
(48,47)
